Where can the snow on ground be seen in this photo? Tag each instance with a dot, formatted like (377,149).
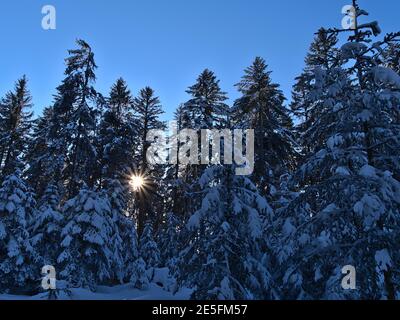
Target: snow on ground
(121,292)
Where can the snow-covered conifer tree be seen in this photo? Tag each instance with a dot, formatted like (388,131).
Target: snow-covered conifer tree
(39,172)
(224,247)
(139,277)
(177,181)
(168,239)
(124,237)
(46,227)
(323,55)
(117,135)
(82,121)
(348,210)
(15,125)
(147,110)
(17,255)
(207,108)
(87,249)
(261,108)
(149,251)
(70,154)
(391,57)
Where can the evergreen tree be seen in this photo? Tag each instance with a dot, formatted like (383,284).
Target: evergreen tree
(64,141)
(391,57)
(120,97)
(116,142)
(82,121)
(224,244)
(15,121)
(38,173)
(139,277)
(87,255)
(117,134)
(261,108)
(147,111)
(17,256)
(347,212)
(169,239)
(46,227)
(148,247)
(124,237)
(177,185)
(322,54)
(206,109)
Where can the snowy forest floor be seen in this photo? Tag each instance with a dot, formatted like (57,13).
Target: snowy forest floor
(159,288)
(121,292)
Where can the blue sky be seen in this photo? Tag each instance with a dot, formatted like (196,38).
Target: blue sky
(166,43)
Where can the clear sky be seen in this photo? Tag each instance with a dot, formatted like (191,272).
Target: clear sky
(166,43)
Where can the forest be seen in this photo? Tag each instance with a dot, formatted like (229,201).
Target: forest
(78,192)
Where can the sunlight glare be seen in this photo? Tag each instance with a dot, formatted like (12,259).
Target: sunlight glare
(137,182)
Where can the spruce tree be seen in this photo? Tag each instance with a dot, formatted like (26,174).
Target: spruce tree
(39,173)
(391,57)
(15,121)
(124,238)
(87,249)
(116,135)
(148,247)
(116,141)
(322,54)
(46,227)
(224,243)
(207,108)
(147,111)
(68,127)
(177,184)
(82,121)
(347,212)
(17,255)
(261,108)
(139,277)
(168,239)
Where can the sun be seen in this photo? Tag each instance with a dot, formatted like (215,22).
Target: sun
(136,182)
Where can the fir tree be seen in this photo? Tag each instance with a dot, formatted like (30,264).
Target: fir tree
(87,255)
(17,256)
(139,277)
(116,135)
(15,121)
(46,227)
(348,210)
(81,125)
(124,238)
(58,133)
(148,247)
(70,158)
(323,55)
(120,98)
(391,57)
(261,108)
(39,173)
(206,109)
(176,182)
(147,111)
(169,239)
(223,246)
